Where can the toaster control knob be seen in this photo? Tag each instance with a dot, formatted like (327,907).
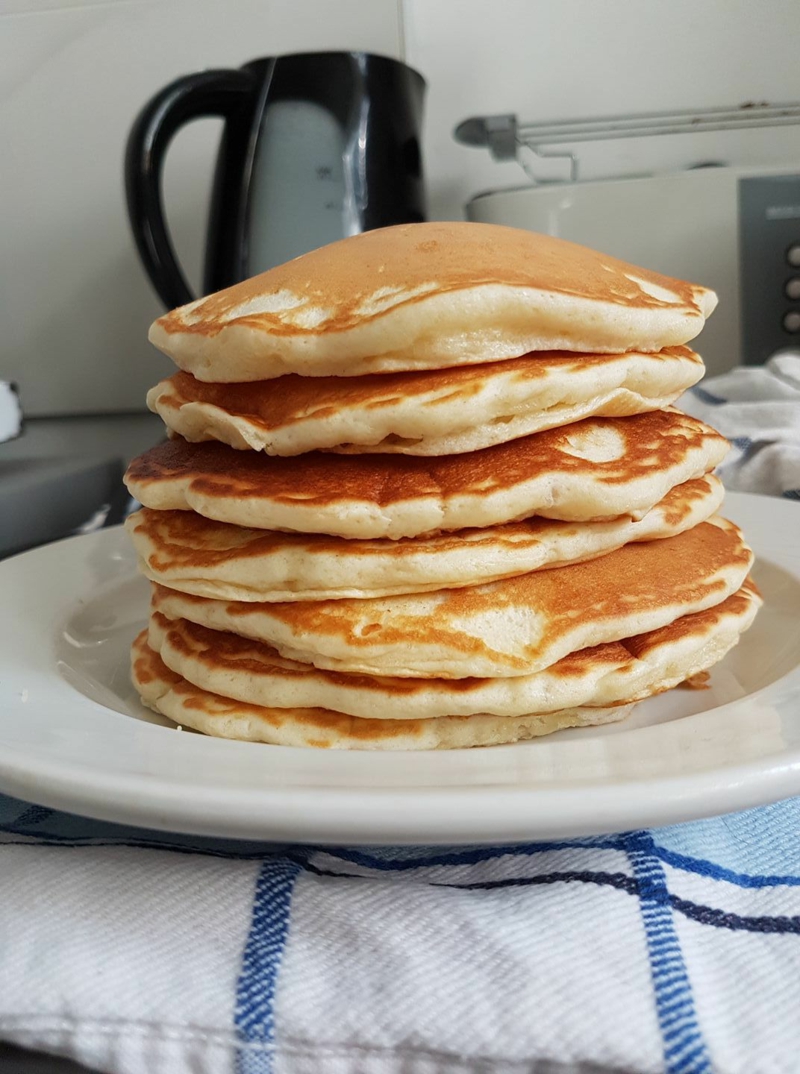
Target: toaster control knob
(793,255)
(791,321)
(792,288)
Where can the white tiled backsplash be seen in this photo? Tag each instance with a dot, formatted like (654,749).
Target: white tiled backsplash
(75,303)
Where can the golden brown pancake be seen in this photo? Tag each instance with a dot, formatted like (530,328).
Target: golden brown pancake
(435,412)
(190,706)
(512,627)
(186,552)
(427,296)
(599,468)
(252,675)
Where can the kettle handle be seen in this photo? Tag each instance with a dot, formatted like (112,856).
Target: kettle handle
(207,93)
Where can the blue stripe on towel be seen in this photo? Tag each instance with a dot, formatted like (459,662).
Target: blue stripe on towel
(703,867)
(261,962)
(684,1048)
(581,876)
(407,859)
(708,915)
(791,494)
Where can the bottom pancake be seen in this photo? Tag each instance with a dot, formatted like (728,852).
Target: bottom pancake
(251,674)
(190,706)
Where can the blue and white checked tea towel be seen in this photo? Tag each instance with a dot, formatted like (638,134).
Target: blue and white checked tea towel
(675,950)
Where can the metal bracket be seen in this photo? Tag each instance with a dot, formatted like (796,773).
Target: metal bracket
(504,136)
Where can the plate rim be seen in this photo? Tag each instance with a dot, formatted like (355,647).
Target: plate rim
(666,802)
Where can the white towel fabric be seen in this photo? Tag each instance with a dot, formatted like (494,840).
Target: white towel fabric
(675,950)
(758,409)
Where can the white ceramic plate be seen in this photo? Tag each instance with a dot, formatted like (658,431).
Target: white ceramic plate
(74,736)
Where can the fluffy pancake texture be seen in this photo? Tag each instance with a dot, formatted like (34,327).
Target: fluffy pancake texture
(251,673)
(512,627)
(191,706)
(599,468)
(436,412)
(424,296)
(186,552)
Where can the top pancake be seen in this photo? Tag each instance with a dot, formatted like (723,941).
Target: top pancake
(427,296)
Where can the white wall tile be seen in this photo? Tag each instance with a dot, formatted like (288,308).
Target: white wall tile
(75,302)
(30,7)
(560,59)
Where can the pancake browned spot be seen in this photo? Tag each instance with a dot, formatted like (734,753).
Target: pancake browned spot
(737,604)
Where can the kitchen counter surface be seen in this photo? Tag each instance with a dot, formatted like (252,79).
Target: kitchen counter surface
(63,474)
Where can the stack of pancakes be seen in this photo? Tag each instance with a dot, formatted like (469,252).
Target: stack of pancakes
(425,488)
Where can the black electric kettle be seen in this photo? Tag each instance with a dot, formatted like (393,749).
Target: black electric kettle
(315,147)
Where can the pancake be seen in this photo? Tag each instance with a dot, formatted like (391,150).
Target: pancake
(251,673)
(437,412)
(428,296)
(186,552)
(190,706)
(599,468)
(516,626)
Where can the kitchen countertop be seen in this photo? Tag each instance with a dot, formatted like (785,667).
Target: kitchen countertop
(63,474)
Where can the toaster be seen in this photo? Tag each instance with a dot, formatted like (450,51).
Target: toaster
(734,229)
